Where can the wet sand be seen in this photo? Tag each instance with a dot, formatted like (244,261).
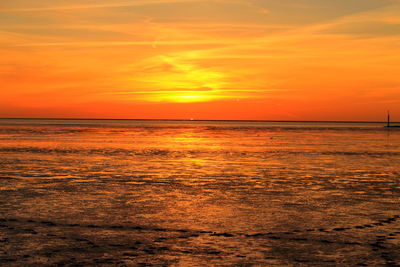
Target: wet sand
(33,242)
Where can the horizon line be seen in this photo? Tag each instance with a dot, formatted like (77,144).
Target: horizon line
(233,120)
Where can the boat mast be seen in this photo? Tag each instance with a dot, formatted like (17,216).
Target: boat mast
(388,119)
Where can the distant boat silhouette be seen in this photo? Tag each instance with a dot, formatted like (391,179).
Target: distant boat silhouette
(388,125)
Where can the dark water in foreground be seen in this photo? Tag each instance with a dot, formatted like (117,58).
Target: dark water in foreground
(189,193)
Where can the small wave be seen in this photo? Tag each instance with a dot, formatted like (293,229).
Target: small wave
(95,151)
(43,131)
(183,153)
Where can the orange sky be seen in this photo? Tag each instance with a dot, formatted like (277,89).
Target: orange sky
(210,59)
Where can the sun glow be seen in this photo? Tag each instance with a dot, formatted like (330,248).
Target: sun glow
(178,78)
(185,96)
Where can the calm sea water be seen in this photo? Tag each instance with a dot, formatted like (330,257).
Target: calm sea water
(198,193)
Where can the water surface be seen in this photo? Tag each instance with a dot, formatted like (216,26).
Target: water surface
(199,193)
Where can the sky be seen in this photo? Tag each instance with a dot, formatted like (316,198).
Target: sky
(200,59)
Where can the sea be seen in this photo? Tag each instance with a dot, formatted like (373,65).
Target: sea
(198,193)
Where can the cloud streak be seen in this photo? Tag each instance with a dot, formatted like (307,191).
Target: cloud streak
(133,43)
(112,5)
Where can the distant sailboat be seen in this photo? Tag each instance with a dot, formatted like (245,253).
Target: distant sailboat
(388,125)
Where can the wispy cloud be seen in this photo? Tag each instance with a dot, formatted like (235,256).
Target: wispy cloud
(113,4)
(255,91)
(134,43)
